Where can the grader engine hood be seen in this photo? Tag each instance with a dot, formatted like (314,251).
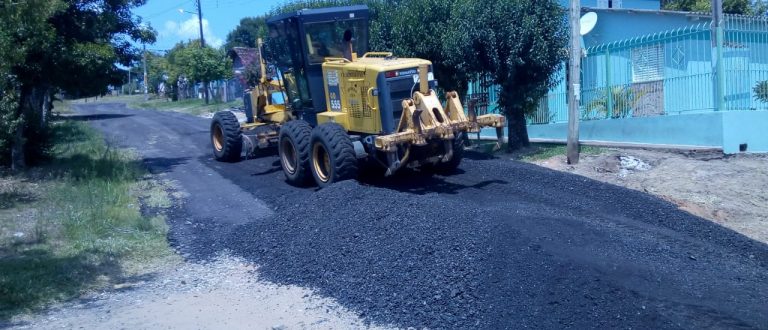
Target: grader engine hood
(395,86)
(370,91)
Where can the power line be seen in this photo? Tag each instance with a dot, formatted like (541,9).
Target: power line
(174,8)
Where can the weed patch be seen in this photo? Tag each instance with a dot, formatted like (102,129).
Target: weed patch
(535,152)
(75,223)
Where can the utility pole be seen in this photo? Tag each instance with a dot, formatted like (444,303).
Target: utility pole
(146,80)
(202,44)
(129,80)
(717,26)
(574,85)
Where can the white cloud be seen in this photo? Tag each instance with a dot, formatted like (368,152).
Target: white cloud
(190,29)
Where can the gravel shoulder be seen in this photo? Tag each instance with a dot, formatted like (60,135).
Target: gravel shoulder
(222,293)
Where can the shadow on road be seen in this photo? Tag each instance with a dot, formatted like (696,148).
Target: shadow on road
(274,169)
(420,183)
(478,155)
(266,166)
(158,165)
(101,116)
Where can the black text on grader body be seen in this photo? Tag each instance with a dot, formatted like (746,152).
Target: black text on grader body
(341,109)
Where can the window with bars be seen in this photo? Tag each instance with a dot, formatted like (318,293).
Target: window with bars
(609,3)
(647,63)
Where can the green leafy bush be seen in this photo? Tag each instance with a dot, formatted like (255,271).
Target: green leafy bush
(761,91)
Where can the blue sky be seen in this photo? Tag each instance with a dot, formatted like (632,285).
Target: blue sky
(219,17)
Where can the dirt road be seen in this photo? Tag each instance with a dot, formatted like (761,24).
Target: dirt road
(499,244)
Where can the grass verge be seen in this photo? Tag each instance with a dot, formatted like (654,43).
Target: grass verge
(535,152)
(192,106)
(195,107)
(75,224)
(542,151)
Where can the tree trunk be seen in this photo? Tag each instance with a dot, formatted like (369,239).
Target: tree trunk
(517,131)
(46,107)
(30,136)
(18,162)
(205,88)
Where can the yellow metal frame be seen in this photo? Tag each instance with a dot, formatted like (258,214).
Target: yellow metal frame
(425,118)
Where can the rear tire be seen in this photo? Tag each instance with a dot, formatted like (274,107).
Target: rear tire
(293,147)
(452,164)
(226,138)
(333,155)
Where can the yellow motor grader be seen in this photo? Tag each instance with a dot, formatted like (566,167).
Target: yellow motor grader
(329,109)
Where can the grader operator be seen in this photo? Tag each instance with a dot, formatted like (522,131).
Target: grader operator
(342,108)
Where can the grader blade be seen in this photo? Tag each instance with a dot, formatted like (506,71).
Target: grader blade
(424,118)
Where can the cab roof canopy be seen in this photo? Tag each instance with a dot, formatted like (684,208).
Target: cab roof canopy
(324,14)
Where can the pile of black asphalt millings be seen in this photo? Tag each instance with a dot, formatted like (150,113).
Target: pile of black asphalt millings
(502,244)
(395,257)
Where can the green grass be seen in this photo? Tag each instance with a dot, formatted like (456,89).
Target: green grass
(542,151)
(535,152)
(75,224)
(61,107)
(190,106)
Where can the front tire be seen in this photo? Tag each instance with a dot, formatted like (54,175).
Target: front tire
(333,155)
(293,147)
(226,138)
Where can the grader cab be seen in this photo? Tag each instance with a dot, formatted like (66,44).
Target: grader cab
(345,106)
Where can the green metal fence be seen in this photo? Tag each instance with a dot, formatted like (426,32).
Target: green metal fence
(666,73)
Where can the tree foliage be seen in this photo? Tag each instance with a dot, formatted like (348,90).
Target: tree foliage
(52,45)
(202,63)
(188,60)
(246,33)
(518,44)
(743,7)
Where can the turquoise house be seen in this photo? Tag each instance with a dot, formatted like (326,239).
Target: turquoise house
(649,78)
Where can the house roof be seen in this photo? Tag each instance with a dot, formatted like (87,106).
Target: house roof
(247,55)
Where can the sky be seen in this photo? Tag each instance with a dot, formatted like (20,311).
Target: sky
(219,18)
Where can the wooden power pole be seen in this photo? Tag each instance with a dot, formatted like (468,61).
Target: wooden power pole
(574,85)
(717,26)
(146,80)
(202,44)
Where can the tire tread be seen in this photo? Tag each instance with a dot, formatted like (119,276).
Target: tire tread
(232,146)
(299,132)
(340,149)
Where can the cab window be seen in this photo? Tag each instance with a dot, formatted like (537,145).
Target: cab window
(326,39)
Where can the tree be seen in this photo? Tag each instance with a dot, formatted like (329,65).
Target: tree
(414,28)
(419,28)
(518,44)
(157,70)
(246,33)
(743,7)
(202,64)
(67,45)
